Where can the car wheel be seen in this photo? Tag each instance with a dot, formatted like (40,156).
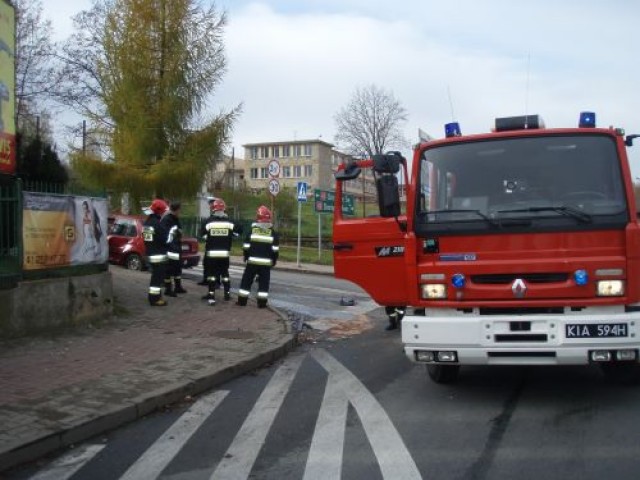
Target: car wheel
(134,262)
(443,374)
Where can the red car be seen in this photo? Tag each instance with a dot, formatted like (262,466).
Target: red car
(126,246)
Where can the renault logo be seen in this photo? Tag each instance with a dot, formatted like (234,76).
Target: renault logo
(519,288)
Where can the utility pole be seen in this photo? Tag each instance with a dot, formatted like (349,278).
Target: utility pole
(84,137)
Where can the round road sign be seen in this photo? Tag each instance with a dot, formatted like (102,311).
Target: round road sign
(274,168)
(274,187)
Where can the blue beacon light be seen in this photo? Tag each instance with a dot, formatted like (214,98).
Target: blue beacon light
(458,280)
(587,120)
(452,130)
(581,277)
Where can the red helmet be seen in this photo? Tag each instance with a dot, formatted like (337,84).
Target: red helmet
(218,205)
(158,206)
(263,214)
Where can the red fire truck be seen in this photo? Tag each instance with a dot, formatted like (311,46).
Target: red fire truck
(515,247)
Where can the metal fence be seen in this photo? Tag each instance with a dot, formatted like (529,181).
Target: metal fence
(10,231)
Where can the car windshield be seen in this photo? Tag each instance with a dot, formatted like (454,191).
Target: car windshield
(549,182)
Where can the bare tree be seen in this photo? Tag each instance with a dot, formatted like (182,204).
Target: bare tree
(371,122)
(36,77)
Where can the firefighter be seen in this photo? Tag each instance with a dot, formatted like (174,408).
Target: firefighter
(395,315)
(155,243)
(260,248)
(172,225)
(218,232)
(204,273)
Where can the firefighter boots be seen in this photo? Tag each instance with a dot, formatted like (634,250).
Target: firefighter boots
(178,287)
(242,301)
(168,289)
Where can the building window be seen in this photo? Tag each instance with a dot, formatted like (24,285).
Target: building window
(308,170)
(286,172)
(264,173)
(297,171)
(264,152)
(297,150)
(307,150)
(276,151)
(286,151)
(254,173)
(253,152)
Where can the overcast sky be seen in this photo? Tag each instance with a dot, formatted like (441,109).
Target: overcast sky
(294,64)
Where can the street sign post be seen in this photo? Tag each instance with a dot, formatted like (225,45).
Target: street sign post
(274,186)
(324,202)
(274,168)
(302,197)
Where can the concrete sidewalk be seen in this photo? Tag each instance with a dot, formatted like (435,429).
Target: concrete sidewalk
(61,390)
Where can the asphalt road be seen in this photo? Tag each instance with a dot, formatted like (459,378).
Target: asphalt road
(351,406)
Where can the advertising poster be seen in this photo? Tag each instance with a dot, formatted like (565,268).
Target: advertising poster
(59,231)
(7,89)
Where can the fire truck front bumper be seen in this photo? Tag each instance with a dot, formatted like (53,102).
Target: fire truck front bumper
(575,339)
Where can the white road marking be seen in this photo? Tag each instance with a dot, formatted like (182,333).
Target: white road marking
(66,466)
(151,464)
(393,457)
(325,455)
(241,455)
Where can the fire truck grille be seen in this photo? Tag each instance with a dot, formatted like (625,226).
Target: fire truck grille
(505,278)
(521,310)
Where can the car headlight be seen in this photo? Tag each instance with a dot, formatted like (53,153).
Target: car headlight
(434,291)
(610,288)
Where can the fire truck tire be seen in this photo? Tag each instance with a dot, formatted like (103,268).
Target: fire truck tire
(622,374)
(134,262)
(443,374)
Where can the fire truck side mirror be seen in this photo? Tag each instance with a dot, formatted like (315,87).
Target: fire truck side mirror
(388,195)
(388,163)
(350,172)
(628,141)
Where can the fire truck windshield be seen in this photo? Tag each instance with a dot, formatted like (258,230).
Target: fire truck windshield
(542,182)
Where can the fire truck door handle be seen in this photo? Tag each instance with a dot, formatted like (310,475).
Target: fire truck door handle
(343,246)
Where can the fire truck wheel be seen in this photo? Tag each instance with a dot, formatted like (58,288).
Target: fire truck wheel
(443,374)
(622,373)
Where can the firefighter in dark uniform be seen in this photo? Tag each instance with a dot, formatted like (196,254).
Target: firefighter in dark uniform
(261,249)
(155,243)
(172,225)
(395,315)
(218,232)
(204,273)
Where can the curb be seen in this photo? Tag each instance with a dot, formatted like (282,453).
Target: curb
(139,407)
(296,269)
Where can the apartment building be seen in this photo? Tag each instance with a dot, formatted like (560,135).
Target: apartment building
(310,161)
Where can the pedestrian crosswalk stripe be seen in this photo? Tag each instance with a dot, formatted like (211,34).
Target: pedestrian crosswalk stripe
(325,455)
(241,455)
(66,466)
(151,464)
(394,459)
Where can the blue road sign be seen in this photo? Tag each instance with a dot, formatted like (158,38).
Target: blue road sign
(302,191)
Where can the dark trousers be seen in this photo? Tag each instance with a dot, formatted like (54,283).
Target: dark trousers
(174,269)
(158,272)
(216,270)
(264,277)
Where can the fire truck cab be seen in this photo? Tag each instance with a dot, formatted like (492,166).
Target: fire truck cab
(516,247)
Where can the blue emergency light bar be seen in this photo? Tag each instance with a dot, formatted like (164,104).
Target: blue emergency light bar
(587,120)
(452,130)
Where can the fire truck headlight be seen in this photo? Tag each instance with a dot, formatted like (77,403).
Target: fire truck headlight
(610,288)
(434,291)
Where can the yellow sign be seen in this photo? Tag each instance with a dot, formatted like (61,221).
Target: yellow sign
(7,89)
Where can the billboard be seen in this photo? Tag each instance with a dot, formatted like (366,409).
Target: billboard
(62,230)
(7,89)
